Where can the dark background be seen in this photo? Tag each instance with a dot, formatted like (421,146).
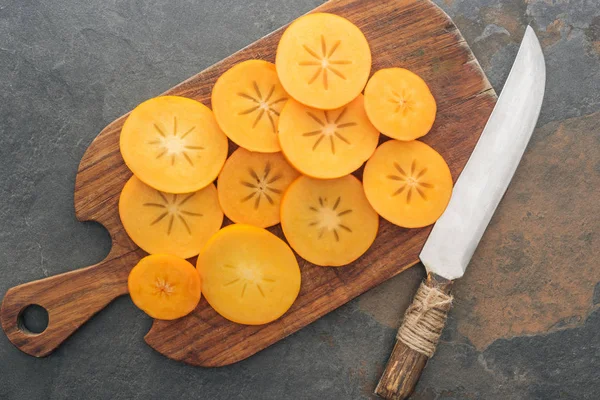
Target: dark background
(525,324)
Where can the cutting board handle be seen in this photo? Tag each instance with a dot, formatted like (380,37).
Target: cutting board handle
(70,299)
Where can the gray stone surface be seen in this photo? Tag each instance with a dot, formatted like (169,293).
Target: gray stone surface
(69,67)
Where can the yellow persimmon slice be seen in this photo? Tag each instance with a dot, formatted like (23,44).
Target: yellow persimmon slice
(327,144)
(247,100)
(251,185)
(408,183)
(173,144)
(164,223)
(323,61)
(328,222)
(400,104)
(249,275)
(164,286)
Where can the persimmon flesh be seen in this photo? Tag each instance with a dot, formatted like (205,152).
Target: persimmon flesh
(251,184)
(249,275)
(164,286)
(173,144)
(323,61)
(327,144)
(166,223)
(408,183)
(247,100)
(400,104)
(328,222)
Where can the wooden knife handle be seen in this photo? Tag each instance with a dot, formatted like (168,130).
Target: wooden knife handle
(405,364)
(70,300)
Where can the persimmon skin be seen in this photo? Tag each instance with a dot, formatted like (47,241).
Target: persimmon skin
(327,144)
(408,183)
(251,184)
(323,61)
(173,144)
(164,286)
(247,100)
(329,223)
(400,104)
(249,276)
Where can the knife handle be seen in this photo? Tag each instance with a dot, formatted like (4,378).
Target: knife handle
(417,338)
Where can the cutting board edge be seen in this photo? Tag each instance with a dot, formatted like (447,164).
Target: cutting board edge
(192,363)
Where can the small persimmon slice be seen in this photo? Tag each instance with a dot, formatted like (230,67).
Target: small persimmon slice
(400,104)
(251,184)
(249,275)
(323,61)
(165,223)
(164,286)
(247,100)
(408,183)
(173,144)
(328,222)
(327,144)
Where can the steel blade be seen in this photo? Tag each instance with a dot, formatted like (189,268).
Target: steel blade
(491,167)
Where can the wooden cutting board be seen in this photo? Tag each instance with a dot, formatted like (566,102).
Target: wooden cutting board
(413,34)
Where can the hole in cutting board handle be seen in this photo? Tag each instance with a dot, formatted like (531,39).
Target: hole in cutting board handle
(33,319)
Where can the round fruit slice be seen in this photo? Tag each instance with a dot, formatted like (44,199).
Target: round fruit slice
(173,144)
(327,144)
(249,275)
(329,223)
(400,104)
(178,224)
(323,61)
(247,100)
(251,184)
(408,183)
(164,286)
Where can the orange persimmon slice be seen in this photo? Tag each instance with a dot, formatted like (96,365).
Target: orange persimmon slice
(249,275)
(400,104)
(327,144)
(173,144)
(247,100)
(251,184)
(408,183)
(164,223)
(323,61)
(328,222)
(164,286)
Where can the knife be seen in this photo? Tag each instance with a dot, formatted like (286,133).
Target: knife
(455,236)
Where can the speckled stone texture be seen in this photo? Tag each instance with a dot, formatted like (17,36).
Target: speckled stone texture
(526,322)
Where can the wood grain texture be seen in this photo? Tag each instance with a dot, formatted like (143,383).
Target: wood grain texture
(405,365)
(414,34)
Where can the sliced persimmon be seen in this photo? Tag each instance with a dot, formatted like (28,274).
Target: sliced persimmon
(327,144)
(400,104)
(164,286)
(249,275)
(251,184)
(323,61)
(173,144)
(165,223)
(247,100)
(328,222)
(408,183)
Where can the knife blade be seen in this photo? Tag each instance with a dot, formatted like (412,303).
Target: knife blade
(490,168)
(476,195)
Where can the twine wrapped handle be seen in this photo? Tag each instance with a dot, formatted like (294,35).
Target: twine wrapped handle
(417,338)
(425,319)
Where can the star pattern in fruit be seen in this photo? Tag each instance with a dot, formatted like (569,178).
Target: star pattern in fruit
(325,63)
(170,208)
(410,183)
